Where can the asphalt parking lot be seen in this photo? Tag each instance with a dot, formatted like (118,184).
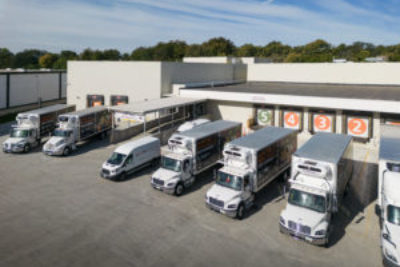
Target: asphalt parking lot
(58,212)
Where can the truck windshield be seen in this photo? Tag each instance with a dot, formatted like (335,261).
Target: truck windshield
(116,159)
(229,180)
(171,164)
(394,214)
(19,133)
(61,133)
(307,200)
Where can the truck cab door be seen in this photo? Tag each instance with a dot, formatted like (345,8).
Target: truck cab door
(32,136)
(186,170)
(247,194)
(128,165)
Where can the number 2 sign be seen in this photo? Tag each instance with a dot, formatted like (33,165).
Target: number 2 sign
(291,119)
(358,126)
(323,123)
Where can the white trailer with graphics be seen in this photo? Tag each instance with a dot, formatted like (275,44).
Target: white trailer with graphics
(250,164)
(191,152)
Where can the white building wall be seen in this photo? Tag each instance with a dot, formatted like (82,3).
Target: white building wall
(347,73)
(183,73)
(28,88)
(63,85)
(138,80)
(3,85)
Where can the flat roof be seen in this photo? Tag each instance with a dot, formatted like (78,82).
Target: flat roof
(262,138)
(328,147)
(154,105)
(357,91)
(47,109)
(86,111)
(209,128)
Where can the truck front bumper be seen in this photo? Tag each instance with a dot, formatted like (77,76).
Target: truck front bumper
(229,213)
(168,190)
(108,174)
(13,149)
(319,241)
(388,262)
(52,152)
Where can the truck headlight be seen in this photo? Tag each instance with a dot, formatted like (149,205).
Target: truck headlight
(320,232)
(232,206)
(170,184)
(281,220)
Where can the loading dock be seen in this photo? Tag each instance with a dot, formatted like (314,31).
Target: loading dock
(158,117)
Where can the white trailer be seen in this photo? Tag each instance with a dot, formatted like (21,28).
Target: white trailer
(32,126)
(321,170)
(250,164)
(389,194)
(131,157)
(76,127)
(192,152)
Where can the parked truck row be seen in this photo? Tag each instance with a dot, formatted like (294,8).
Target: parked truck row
(319,171)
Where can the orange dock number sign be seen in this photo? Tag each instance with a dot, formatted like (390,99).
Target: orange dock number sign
(322,123)
(291,120)
(357,126)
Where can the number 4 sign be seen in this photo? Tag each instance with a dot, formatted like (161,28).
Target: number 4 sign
(323,123)
(291,119)
(358,126)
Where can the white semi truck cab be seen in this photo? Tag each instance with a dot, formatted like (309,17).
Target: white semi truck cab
(389,194)
(77,126)
(191,152)
(250,163)
(321,170)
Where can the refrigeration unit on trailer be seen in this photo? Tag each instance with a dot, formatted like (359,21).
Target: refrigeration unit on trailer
(191,124)
(320,173)
(191,152)
(32,126)
(250,164)
(76,127)
(131,157)
(389,194)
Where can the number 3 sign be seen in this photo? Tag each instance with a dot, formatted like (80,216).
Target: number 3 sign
(323,123)
(358,126)
(291,119)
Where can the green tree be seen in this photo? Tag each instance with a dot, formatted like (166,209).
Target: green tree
(218,47)
(142,53)
(194,50)
(28,59)
(47,60)
(247,50)
(276,51)
(65,55)
(111,54)
(6,58)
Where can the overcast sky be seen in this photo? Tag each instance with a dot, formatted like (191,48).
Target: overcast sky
(57,25)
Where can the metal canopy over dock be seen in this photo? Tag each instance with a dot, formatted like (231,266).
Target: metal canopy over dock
(154,105)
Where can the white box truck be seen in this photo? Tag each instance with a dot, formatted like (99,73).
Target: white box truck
(76,127)
(389,194)
(32,126)
(191,124)
(131,157)
(321,170)
(192,152)
(250,163)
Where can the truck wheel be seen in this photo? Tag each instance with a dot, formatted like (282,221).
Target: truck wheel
(179,189)
(122,176)
(27,148)
(240,212)
(66,151)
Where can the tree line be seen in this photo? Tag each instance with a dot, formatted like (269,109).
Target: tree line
(316,51)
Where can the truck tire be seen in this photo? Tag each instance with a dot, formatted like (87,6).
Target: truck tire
(66,151)
(240,212)
(122,176)
(179,189)
(27,148)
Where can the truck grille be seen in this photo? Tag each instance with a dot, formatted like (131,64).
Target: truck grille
(106,171)
(297,227)
(158,181)
(216,202)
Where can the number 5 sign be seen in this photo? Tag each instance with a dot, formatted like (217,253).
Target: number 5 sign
(292,119)
(323,123)
(358,126)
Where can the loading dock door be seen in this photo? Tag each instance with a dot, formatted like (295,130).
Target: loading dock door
(95,100)
(119,100)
